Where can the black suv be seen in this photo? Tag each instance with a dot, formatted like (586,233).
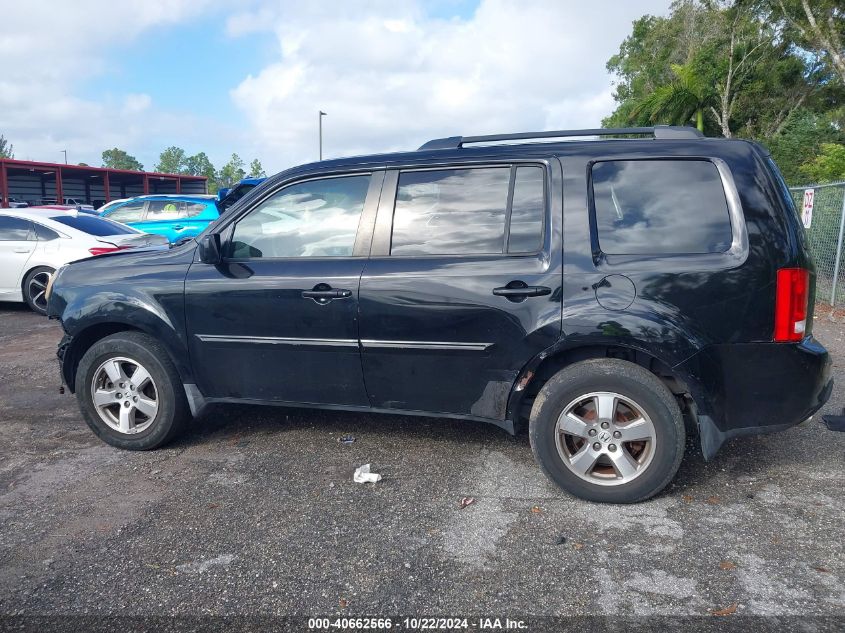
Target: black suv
(618,294)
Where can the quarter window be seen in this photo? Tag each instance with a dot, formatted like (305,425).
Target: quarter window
(660,207)
(194,209)
(465,211)
(318,218)
(44,234)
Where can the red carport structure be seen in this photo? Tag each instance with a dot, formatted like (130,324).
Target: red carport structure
(48,183)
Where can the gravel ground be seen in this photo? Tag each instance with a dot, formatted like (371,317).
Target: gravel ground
(254,511)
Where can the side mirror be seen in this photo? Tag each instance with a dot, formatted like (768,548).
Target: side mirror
(210,251)
(222,193)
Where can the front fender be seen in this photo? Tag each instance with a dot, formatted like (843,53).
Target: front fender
(145,292)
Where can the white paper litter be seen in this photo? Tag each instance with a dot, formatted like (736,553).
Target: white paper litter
(364,476)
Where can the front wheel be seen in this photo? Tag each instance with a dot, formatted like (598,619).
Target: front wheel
(607,430)
(130,392)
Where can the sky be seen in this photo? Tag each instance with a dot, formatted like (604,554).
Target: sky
(251,76)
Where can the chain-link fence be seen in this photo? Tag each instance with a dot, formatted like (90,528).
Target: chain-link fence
(823,208)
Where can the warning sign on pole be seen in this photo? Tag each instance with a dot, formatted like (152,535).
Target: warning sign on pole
(807,210)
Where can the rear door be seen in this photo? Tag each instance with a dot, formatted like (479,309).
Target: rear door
(164,217)
(17,242)
(278,319)
(463,285)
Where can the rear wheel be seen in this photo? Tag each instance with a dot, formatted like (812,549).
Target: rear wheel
(130,393)
(607,430)
(35,288)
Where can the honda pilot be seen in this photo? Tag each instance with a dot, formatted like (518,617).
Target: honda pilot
(617,291)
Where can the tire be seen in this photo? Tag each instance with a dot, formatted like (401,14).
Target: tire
(34,286)
(643,409)
(140,425)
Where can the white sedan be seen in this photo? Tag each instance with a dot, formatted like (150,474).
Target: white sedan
(35,242)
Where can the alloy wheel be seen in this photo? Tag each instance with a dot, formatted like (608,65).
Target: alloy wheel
(605,438)
(124,395)
(37,290)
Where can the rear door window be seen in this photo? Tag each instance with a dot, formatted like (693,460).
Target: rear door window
(14,229)
(164,210)
(468,211)
(660,207)
(526,221)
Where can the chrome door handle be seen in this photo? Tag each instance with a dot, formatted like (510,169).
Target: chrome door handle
(522,291)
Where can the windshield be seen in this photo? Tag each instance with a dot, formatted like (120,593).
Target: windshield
(93,225)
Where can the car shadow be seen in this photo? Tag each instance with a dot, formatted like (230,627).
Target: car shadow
(226,421)
(752,457)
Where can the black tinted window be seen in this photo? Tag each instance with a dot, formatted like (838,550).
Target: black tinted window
(450,212)
(311,219)
(663,207)
(93,225)
(44,234)
(526,227)
(14,229)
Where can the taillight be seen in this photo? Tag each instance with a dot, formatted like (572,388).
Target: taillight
(793,295)
(101,250)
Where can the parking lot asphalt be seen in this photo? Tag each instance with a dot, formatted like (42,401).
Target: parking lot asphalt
(254,511)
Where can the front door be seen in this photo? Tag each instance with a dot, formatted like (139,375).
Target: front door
(278,319)
(463,287)
(17,242)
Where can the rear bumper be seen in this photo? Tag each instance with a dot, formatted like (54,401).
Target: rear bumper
(753,388)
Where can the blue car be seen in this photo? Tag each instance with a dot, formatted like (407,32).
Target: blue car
(174,216)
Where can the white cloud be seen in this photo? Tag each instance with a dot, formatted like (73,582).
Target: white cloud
(391,77)
(49,51)
(389,74)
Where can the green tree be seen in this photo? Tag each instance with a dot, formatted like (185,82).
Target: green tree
(828,166)
(801,137)
(686,97)
(200,165)
(7,150)
(733,52)
(256,170)
(231,172)
(118,159)
(171,161)
(819,27)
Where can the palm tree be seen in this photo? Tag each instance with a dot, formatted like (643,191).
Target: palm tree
(676,103)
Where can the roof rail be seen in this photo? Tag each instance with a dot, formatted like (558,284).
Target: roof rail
(658,131)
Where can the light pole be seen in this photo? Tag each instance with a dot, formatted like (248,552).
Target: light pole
(64,151)
(320,125)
